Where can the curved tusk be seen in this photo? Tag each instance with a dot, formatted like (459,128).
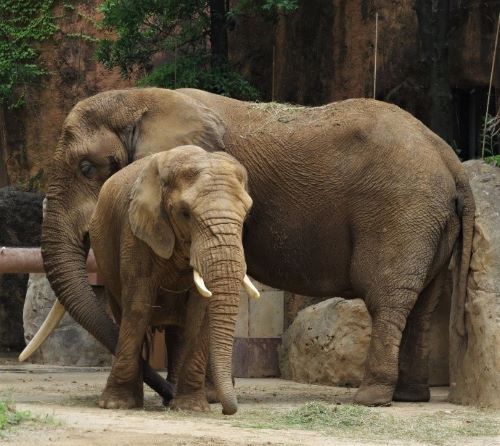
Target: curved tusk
(200,284)
(49,325)
(250,288)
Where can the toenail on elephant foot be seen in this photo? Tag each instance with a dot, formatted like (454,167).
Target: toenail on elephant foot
(190,403)
(412,393)
(374,395)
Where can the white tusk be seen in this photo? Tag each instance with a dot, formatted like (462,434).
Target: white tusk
(200,284)
(250,288)
(49,325)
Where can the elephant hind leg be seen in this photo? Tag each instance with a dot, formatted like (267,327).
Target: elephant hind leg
(413,376)
(381,366)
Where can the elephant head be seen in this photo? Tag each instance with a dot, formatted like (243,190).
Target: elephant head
(191,204)
(101,135)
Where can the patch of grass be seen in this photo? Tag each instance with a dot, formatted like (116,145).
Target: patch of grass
(10,417)
(441,428)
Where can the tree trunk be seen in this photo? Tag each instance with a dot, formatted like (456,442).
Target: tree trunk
(218,31)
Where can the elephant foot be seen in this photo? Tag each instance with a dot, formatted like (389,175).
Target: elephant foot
(412,392)
(121,397)
(196,402)
(374,395)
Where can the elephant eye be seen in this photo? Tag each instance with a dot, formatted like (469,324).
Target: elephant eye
(88,169)
(184,212)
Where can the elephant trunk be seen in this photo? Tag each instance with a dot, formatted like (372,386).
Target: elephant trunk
(223,311)
(223,272)
(64,261)
(64,256)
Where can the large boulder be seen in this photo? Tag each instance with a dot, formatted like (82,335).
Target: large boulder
(475,358)
(69,344)
(20,226)
(327,343)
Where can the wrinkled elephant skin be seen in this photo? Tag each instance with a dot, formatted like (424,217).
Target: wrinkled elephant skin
(352,198)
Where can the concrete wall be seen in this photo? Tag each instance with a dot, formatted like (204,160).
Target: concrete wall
(258,333)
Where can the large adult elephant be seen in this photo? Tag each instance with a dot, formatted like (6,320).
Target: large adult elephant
(354,198)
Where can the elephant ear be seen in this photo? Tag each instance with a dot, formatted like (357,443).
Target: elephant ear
(147,219)
(210,127)
(179,120)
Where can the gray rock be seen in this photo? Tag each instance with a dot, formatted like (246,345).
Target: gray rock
(327,343)
(69,344)
(475,359)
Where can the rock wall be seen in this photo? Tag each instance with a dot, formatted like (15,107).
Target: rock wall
(475,359)
(30,135)
(342,34)
(433,59)
(323,52)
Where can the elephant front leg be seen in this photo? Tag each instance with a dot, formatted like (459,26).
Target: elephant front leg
(191,393)
(124,388)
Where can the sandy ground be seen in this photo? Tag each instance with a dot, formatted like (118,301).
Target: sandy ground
(68,396)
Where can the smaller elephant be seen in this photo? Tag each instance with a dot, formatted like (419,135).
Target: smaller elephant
(161,223)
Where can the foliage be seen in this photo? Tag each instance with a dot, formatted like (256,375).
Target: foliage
(178,35)
(149,27)
(190,71)
(490,133)
(270,9)
(493,160)
(9,416)
(23,24)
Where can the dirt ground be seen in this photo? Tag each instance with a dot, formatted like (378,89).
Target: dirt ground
(65,398)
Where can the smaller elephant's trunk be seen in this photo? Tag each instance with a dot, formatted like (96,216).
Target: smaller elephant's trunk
(223,267)
(223,311)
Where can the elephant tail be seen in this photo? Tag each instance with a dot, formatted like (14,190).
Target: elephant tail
(462,255)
